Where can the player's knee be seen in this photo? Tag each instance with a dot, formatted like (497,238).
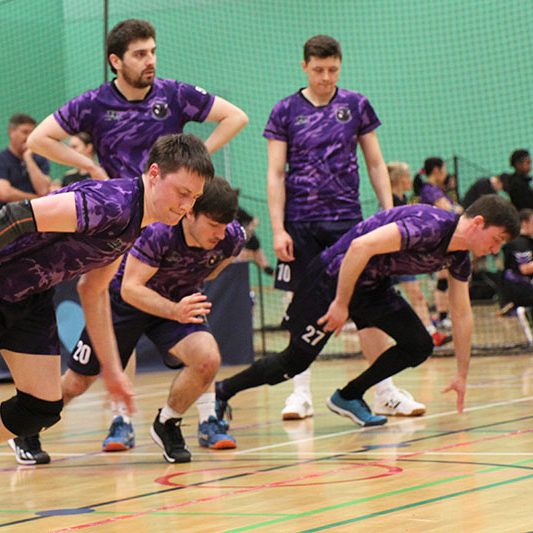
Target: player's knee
(207,365)
(418,349)
(25,415)
(297,360)
(442,285)
(74,385)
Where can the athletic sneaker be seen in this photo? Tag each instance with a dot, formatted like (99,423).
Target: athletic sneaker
(28,450)
(356,410)
(439,339)
(120,437)
(168,436)
(397,402)
(297,406)
(213,433)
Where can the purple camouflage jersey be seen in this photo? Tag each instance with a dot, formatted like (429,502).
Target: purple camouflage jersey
(429,194)
(124,131)
(426,232)
(322,180)
(182,269)
(109,215)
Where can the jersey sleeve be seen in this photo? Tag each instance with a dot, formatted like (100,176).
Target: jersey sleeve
(236,236)
(369,118)
(276,128)
(193,101)
(75,115)
(153,244)
(461,267)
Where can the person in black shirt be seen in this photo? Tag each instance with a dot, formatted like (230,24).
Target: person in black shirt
(518,257)
(520,192)
(482,186)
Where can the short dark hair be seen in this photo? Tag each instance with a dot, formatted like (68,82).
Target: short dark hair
(219,201)
(21,118)
(518,156)
(431,163)
(181,150)
(497,212)
(322,46)
(525,214)
(124,33)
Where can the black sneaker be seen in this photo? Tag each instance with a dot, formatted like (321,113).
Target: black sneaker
(168,436)
(28,450)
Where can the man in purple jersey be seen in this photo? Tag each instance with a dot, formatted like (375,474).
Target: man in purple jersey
(125,116)
(157,291)
(352,279)
(84,230)
(313,190)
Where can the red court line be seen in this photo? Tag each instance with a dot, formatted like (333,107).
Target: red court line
(271,485)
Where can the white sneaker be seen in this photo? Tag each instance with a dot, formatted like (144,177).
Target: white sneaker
(397,402)
(297,407)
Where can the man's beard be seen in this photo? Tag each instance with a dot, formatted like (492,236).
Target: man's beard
(137,83)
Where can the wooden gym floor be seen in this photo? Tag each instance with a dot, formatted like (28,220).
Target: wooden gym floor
(440,472)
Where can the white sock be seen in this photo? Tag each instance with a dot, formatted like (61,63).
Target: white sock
(119,409)
(167,412)
(431,329)
(206,406)
(385,385)
(302,382)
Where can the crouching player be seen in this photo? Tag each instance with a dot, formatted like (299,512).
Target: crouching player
(156,291)
(352,279)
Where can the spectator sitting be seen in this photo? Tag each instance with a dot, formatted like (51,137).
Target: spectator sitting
(518,273)
(520,191)
(22,174)
(82,143)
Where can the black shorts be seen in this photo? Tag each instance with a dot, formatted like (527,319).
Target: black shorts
(309,239)
(368,307)
(129,324)
(30,326)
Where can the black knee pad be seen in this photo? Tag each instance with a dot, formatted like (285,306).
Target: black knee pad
(25,415)
(442,285)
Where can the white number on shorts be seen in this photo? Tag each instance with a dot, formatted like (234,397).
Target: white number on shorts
(284,273)
(82,353)
(313,336)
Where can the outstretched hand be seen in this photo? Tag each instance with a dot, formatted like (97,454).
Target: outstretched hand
(459,386)
(335,318)
(120,389)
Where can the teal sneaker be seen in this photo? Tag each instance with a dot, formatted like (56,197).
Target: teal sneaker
(213,433)
(121,436)
(356,410)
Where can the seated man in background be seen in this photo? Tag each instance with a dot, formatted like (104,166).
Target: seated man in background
(518,256)
(23,174)
(520,191)
(156,291)
(352,279)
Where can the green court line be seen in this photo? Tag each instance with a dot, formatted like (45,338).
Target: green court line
(416,504)
(380,496)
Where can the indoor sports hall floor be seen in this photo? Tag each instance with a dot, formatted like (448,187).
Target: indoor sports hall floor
(440,472)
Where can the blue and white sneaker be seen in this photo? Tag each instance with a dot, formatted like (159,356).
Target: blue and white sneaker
(213,433)
(121,436)
(356,410)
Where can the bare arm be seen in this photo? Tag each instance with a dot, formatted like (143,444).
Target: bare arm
(230,120)
(46,140)
(386,239)
(134,291)
(377,170)
(55,213)
(219,268)
(526,269)
(40,181)
(8,193)
(462,325)
(94,296)
(277,160)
